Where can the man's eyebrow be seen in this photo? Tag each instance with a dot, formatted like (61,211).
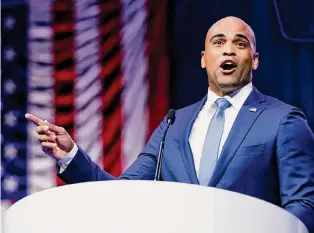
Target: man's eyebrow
(237,35)
(217,35)
(242,36)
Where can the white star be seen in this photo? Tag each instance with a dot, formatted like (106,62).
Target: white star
(10,119)
(10,151)
(10,184)
(9,54)
(9,86)
(9,22)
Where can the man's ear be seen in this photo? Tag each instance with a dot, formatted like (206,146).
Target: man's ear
(203,59)
(255,61)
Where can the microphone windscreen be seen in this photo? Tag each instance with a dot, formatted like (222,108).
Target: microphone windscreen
(171,116)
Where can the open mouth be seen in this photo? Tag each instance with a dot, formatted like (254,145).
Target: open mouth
(228,67)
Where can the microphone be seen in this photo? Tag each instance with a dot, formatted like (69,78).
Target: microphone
(171,116)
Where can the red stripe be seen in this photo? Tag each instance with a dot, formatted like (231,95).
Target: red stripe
(64,75)
(64,100)
(111,64)
(108,96)
(64,119)
(63,27)
(109,26)
(61,6)
(61,45)
(158,67)
(67,53)
(113,159)
(114,40)
(113,128)
(64,65)
(111,85)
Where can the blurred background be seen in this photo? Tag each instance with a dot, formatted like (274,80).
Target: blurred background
(109,70)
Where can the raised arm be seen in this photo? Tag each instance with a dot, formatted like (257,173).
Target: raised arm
(58,144)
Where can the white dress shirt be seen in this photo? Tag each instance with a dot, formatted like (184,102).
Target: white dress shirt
(199,129)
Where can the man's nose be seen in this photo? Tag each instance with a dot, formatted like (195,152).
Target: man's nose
(229,50)
(229,54)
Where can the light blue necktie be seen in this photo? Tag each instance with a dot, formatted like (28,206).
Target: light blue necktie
(212,141)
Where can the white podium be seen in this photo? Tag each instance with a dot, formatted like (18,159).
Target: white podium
(146,207)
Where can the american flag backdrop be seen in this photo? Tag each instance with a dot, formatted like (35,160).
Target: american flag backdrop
(98,68)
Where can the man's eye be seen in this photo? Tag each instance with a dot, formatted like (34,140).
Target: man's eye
(241,44)
(218,42)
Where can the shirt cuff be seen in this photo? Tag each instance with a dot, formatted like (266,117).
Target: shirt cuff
(64,162)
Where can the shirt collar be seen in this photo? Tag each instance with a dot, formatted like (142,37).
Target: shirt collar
(236,98)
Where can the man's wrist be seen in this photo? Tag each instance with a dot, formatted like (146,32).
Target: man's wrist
(68,157)
(71,147)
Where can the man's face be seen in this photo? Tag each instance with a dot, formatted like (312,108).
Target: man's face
(229,56)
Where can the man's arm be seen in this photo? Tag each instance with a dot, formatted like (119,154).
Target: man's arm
(295,157)
(83,169)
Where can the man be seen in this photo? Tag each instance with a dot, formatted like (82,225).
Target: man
(235,138)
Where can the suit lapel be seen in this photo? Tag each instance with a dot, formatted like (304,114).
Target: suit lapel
(252,108)
(187,156)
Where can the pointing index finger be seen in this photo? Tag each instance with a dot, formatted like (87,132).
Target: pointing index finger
(34,119)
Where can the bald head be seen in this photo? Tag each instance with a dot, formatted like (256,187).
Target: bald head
(230,55)
(232,23)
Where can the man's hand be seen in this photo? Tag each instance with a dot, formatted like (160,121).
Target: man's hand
(55,141)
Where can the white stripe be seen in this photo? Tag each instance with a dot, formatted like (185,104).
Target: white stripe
(84,81)
(134,68)
(87,113)
(41,168)
(40,97)
(88,120)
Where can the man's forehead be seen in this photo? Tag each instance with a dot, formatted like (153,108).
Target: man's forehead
(229,27)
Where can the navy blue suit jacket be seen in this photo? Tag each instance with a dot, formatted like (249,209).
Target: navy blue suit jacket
(269,154)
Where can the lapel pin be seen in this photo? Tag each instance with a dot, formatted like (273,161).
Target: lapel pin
(253,109)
